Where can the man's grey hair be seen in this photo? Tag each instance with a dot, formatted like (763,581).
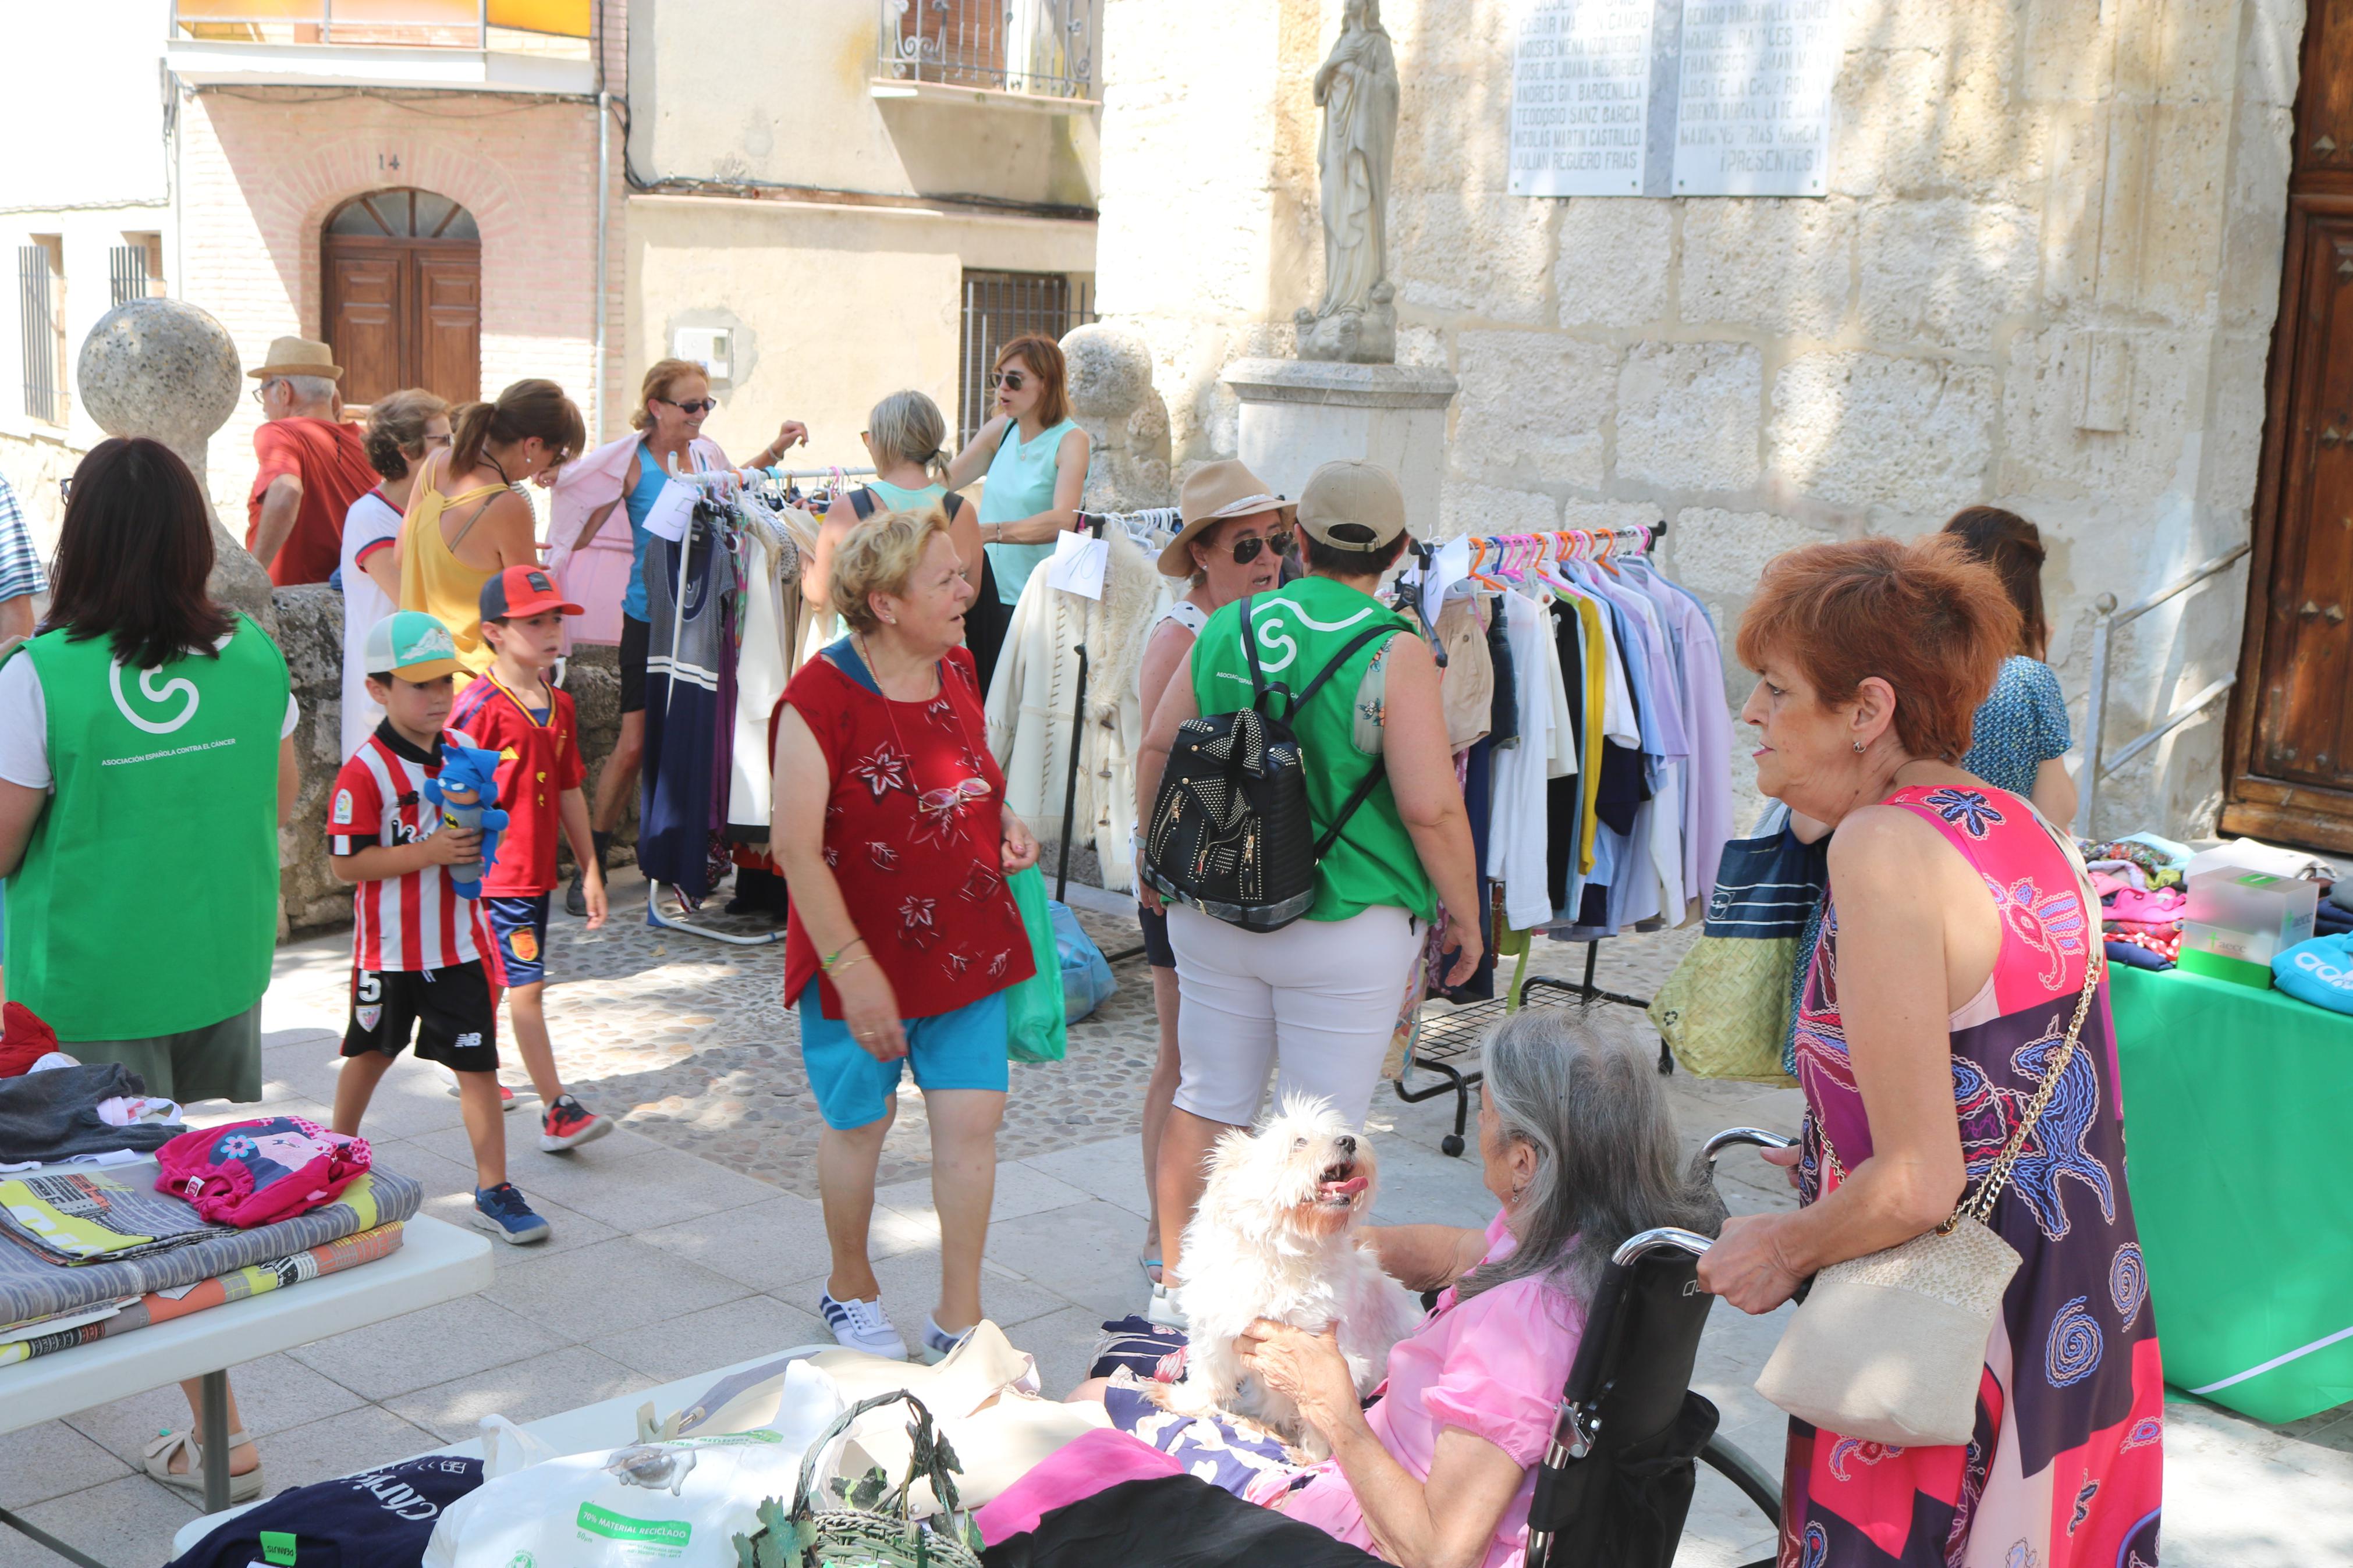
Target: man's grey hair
(1608,1164)
(307,389)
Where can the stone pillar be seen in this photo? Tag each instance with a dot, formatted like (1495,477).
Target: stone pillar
(167,370)
(1298,414)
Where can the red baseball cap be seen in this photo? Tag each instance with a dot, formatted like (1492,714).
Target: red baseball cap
(522,591)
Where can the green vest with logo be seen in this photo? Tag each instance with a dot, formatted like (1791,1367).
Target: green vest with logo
(146,903)
(1300,626)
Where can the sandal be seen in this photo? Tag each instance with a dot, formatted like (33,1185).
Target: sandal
(166,1447)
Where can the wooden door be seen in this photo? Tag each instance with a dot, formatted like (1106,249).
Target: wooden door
(2291,744)
(401,276)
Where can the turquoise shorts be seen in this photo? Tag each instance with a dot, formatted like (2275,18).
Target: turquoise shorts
(963,1049)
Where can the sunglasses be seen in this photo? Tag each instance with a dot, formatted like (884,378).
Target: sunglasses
(1011,380)
(699,405)
(1246,550)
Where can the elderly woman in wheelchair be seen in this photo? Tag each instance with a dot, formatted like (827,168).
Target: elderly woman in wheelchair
(1441,1469)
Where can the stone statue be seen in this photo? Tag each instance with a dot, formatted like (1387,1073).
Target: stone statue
(1357,88)
(164,369)
(1113,399)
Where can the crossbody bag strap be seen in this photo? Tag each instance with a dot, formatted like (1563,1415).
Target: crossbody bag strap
(1249,654)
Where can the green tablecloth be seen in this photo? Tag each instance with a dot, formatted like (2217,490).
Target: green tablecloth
(2238,1122)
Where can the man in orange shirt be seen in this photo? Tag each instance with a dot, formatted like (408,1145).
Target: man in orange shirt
(313,467)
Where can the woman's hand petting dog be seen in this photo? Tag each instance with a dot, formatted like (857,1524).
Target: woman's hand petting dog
(1307,1368)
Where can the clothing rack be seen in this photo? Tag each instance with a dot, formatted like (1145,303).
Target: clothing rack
(1441,1042)
(654,915)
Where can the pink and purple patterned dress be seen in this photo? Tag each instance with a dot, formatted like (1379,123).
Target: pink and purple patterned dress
(2066,1466)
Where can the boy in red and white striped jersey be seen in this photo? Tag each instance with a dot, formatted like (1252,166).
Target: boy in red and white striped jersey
(422,957)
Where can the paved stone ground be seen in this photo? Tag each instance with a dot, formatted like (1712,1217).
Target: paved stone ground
(691,1239)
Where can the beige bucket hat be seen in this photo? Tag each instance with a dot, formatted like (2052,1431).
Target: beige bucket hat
(298,356)
(1215,492)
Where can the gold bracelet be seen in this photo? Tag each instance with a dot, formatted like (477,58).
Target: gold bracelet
(833,970)
(828,962)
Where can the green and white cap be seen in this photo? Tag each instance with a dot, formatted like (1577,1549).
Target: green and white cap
(411,645)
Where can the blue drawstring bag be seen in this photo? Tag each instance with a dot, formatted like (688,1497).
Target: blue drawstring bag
(2319,971)
(1087,983)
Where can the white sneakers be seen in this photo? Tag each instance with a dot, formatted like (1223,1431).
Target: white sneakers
(862,1326)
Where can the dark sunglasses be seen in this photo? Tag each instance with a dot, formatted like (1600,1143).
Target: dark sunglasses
(1011,380)
(1246,550)
(699,405)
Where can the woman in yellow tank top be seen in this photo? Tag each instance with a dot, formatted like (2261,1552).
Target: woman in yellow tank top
(467,523)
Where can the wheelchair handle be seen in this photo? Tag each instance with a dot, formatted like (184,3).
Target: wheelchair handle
(1643,1242)
(1731,1137)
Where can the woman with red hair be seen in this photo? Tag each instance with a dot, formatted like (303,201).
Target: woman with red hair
(1957,940)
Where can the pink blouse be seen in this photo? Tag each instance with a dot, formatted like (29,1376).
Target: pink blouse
(1494,1366)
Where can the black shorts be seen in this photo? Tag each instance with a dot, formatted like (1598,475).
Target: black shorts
(451,1011)
(1157,951)
(635,634)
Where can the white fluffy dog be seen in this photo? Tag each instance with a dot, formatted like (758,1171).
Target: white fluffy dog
(1275,1237)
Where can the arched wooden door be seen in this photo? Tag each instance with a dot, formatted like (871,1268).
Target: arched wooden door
(401,278)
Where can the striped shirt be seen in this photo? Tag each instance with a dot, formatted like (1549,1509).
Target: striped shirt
(417,921)
(20,564)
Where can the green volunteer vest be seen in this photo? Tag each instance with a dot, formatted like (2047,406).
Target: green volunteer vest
(1298,628)
(147,900)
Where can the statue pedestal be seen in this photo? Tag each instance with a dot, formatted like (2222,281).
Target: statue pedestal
(1298,414)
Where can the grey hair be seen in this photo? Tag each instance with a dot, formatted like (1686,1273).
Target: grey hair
(307,388)
(910,427)
(1608,1164)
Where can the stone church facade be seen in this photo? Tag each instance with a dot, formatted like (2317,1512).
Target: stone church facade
(2044,275)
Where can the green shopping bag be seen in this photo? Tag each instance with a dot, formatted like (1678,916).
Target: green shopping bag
(1034,1027)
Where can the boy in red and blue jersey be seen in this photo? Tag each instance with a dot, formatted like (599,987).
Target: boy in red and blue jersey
(533,726)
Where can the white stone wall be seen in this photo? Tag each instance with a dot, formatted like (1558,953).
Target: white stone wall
(2015,189)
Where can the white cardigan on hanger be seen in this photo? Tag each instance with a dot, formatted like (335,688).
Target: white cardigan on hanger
(1036,685)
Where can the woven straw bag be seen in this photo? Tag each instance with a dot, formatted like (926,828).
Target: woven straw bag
(1725,1009)
(1890,1347)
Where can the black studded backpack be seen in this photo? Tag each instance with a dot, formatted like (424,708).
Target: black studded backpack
(1231,834)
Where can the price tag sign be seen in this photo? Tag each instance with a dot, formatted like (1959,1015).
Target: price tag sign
(673,510)
(1077,566)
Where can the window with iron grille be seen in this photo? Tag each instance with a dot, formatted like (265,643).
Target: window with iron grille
(1000,307)
(41,329)
(126,272)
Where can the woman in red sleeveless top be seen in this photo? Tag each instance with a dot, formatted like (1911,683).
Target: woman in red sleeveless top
(891,828)
(1953,952)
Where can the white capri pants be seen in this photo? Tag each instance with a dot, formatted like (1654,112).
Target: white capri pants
(1317,999)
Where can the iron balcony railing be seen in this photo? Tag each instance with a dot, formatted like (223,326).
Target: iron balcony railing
(1043,48)
(524,25)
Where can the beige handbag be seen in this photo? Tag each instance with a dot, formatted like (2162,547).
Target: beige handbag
(1890,1347)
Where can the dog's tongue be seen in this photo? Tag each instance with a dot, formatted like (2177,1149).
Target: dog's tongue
(1347,1189)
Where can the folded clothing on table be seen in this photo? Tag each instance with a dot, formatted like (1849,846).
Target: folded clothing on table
(2135,956)
(380,1520)
(59,1115)
(253,1173)
(105,1323)
(76,1217)
(32,1284)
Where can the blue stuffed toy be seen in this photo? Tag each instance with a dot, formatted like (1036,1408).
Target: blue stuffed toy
(467,791)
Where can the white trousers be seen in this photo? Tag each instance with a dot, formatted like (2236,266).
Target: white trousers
(1317,1001)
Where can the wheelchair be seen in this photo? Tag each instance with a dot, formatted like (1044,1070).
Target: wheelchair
(1616,1484)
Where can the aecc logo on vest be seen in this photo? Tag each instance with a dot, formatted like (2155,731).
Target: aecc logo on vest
(180,686)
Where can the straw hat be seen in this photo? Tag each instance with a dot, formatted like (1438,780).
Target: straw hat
(298,356)
(1215,492)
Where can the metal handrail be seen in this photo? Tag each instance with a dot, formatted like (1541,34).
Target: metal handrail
(2095,706)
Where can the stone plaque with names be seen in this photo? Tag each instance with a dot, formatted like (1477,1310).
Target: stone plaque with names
(1580,97)
(1752,109)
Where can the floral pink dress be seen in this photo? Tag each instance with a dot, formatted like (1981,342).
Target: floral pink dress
(2066,1469)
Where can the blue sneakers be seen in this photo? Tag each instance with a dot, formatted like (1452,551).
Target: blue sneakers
(501,1211)
(938,1344)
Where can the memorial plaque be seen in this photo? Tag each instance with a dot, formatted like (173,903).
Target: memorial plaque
(1753,108)
(1580,97)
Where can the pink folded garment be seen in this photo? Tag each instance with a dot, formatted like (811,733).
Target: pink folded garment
(2156,904)
(2141,927)
(1094,1462)
(259,1172)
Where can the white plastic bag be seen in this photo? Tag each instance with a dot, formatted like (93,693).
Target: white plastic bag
(669,1500)
(507,1448)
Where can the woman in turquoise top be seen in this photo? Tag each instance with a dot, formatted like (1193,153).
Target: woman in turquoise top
(1036,459)
(906,438)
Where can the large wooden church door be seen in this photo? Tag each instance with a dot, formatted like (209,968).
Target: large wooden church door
(401,278)
(2291,768)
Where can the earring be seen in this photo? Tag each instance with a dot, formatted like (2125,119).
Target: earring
(1858,748)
